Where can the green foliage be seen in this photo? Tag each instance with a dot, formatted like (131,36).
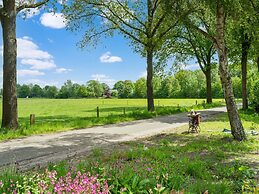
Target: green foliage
(210,161)
(165,163)
(254,92)
(140,88)
(237,87)
(94,89)
(125,89)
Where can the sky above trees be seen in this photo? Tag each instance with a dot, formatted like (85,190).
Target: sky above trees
(48,55)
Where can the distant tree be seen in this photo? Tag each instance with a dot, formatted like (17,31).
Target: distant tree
(254,91)
(188,83)
(157,81)
(119,86)
(106,90)
(36,91)
(217,91)
(66,90)
(237,87)
(140,88)
(23,91)
(81,91)
(50,91)
(94,88)
(170,87)
(105,86)
(114,93)
(75,90)
(128,89)
(125,89)
(8,12)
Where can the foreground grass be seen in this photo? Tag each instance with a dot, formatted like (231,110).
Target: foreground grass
(194,163)
(53,115)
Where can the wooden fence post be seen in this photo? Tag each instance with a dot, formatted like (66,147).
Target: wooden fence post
(32,119)
(98,112)
(124,111)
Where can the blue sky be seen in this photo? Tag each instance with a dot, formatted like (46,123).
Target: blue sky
(48,55)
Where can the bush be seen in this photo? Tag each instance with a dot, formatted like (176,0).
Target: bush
(49,182)
(254,95)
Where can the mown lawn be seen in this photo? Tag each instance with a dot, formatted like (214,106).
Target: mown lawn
(53,115)
(209,162)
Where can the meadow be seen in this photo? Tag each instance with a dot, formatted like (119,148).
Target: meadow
(53,115)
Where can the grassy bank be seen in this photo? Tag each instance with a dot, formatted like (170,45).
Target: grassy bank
(53,115)
(168,163)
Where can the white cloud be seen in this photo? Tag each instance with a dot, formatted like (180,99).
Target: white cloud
(143,74)
(107,58)
(40,82)
(63,70)
(103,79)
(26,72)
(31,55)
(39,64)
(53,20)
(27,49)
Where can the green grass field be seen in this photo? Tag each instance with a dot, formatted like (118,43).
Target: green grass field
(54,115)
(87,107)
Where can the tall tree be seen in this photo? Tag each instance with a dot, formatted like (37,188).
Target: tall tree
(242,41)
(222,11)
(198,47)
(143,22)
(8,13)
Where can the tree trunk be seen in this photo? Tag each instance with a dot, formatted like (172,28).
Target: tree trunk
(8,21)
(237,129)
(208,84)
(150,95)
(245,48)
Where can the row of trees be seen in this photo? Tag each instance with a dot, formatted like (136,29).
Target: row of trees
(155,28)
(183,84)
(92,89)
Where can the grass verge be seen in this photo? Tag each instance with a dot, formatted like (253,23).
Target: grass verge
(51,124)
(168,163)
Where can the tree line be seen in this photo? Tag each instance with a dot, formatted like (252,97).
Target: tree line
(157,30)
(183,84)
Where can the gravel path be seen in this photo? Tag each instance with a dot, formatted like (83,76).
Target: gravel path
(41,149)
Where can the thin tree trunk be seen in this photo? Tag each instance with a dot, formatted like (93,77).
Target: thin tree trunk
(237,129)
(208,85)
(245,47)
(150,95)
(8,21)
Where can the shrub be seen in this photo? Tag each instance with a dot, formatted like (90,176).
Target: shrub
(254,95)
(48,183)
